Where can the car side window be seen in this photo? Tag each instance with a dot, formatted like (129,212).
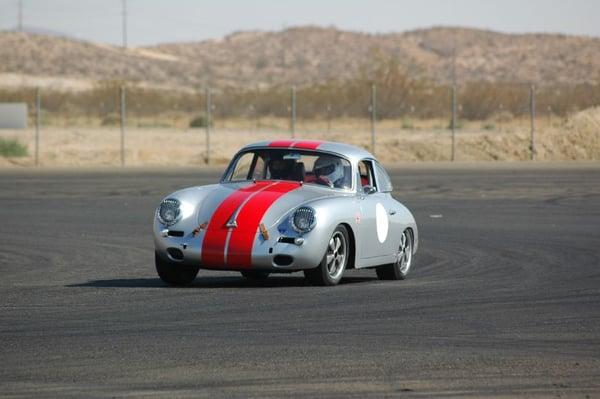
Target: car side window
(365,170)
(385,183)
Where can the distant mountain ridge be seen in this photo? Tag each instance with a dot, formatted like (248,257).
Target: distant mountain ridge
(302,55)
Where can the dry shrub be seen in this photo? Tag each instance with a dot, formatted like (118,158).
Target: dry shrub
(398,96)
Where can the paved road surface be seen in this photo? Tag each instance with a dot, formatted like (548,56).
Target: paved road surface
(504,298)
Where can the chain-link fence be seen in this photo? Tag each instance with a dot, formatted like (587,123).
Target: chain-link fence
(401,120)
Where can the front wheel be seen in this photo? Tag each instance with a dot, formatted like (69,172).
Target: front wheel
(175,273)
(400,268)
(331,268)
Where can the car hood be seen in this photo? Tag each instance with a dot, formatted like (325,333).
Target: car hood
(246,205)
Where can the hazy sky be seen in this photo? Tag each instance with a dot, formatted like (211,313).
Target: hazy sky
(154,21)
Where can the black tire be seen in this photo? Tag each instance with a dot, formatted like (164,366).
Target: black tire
(400,269)
(255,274)
(175,273)
(328,274)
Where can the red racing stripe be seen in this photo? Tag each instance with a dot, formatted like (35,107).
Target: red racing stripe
(302,144)
(213,245)
(281,143)
(307,145)
(239,253)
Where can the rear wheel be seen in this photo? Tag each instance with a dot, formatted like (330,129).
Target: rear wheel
(175,273)
(255,274)
(331,268)
(400,268)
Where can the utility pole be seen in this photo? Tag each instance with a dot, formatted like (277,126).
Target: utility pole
(20,17)
(293,112)
(373,116)
(532,113)
(208,121)
(124,14)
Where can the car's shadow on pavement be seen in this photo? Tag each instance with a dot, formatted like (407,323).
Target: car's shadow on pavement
(213,282)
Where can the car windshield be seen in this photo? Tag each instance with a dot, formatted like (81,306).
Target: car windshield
(311,167)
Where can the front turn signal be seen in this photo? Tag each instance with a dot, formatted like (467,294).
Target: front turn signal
(264,232)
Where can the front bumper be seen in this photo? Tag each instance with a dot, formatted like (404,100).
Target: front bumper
(273,254)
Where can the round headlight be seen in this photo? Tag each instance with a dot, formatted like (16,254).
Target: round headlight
(303,219)
(169,211)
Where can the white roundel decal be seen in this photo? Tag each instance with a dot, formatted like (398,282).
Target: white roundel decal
(382,222)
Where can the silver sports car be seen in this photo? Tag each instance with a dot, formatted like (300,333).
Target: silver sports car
(286,206)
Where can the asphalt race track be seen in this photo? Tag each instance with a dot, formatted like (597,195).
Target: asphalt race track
(503,300)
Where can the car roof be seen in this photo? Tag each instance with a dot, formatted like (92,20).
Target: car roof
(351,152)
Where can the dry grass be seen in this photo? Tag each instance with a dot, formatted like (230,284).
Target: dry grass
(577,138)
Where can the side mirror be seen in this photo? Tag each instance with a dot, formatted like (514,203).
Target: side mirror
(369,190)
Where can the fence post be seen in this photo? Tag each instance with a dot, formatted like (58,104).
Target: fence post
(123,112)
(328,118)
(293,112)
(373,116)
(532,115)
(38,121)
(453,123)
(208,104)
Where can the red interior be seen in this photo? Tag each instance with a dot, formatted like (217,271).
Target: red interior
(309,177)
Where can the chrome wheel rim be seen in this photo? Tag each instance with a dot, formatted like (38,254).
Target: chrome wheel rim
(404,254)
(336,255)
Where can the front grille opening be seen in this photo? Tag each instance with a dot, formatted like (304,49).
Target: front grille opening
(175,233)
(175,253)
(287,240)
(283,260)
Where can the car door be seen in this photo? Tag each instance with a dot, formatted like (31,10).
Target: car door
(374,218)
(392,208)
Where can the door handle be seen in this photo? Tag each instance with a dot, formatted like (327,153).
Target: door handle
(392,211)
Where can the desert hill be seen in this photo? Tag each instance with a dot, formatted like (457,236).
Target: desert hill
(302,55)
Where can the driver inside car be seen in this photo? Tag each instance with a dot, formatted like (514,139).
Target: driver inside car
(329,171)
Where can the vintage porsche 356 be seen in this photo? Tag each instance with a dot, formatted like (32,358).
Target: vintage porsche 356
(286,206)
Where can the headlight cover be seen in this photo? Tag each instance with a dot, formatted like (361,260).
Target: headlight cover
(169,211)
(303,219)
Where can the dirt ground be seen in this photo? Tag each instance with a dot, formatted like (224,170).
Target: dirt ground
(576,138)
